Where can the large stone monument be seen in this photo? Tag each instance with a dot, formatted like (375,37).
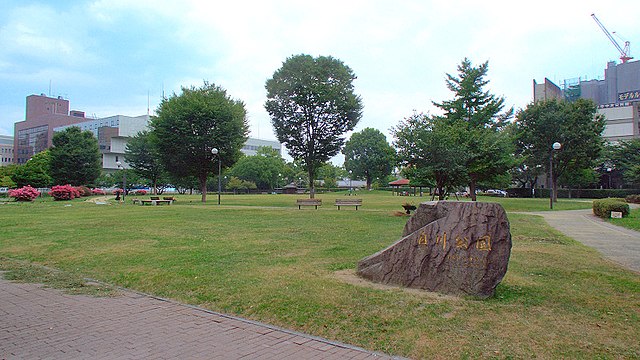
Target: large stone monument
(451,247)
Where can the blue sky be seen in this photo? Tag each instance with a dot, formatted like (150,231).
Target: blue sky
(109,57)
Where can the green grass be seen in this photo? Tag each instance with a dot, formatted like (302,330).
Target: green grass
(259,257)
(631,222)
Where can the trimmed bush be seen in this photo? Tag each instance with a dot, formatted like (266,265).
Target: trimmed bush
(84,191)
(633,199)
(25,193)
(98,192)
(603,207)
(64,192)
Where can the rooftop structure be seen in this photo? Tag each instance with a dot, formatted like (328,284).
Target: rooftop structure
(617,97)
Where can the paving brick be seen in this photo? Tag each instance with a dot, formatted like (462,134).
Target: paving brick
(43,323)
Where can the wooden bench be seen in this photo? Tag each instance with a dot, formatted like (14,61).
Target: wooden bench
(169,198)
(308,202)
(348,202)
(155,202)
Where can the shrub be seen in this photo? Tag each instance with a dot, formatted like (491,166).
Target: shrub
(634,199)
(603,207)
(84,191)
(25,193)
(98,192)
(64,192)
(140,192)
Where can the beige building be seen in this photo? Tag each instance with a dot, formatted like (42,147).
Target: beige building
(6,150)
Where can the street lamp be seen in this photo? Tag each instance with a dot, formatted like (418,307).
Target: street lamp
(124,180)
(556,146)
(609,173)
(350,182)
(214,151)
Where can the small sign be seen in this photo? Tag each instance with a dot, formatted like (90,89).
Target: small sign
(616,214)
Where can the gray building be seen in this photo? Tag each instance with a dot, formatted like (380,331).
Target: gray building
(617,97)
(6,150)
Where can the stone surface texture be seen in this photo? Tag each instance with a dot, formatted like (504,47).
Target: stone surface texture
(451,247)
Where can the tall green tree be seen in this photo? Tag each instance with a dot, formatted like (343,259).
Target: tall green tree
(575,125)
(75,157)
(312,104)
(429,148)
(626,159)
(489,150)
(34,172)
(188,126)
(143,157)
(368,155)
(264,169)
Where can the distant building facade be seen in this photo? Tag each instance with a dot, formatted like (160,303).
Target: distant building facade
(6,150)
(43,114)
(617,97)
(113,133)
(252,145)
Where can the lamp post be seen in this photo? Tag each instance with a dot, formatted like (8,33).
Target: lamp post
(124,180)
(609,173)
(214,151)
(350,182)
(552,188)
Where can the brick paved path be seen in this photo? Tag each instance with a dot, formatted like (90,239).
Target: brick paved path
(43,323)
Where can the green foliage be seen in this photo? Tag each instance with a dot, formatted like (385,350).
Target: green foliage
(6,172)
(264,169)
(574,125)
(143,157)
(603,207)
(34,172)
(429,149)
(311,103)
(75,157)
(188,126)
(236,184)
(633,199)
(368,155)
(488,149)
(625,157)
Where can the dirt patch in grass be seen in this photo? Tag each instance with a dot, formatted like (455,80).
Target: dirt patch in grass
(25,272)
(349,276)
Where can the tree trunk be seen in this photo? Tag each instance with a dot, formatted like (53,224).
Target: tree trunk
(155,188)
(203,188)
(312,188)
(368,182)
(472,189)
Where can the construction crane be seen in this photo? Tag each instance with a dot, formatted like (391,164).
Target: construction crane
(624,52)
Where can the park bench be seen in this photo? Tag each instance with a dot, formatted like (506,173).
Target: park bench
(348,202)
(308,202)
(154,201)
(169,198)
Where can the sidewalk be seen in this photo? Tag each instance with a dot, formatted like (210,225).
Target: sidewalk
(616,243)
(44,323)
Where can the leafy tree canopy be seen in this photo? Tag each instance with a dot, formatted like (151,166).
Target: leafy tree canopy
(34,172)
(625,157)
(312,104)
(489,152)
(368,155)
(143,157)
(575,125)
(264,169)
(188,126)
(75,157)
(428,148)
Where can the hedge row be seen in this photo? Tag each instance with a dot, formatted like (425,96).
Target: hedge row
(573,193)
(603,207)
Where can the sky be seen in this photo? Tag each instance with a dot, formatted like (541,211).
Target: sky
(118,57)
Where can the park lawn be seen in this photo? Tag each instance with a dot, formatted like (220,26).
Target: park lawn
(631,222)
(274,263)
